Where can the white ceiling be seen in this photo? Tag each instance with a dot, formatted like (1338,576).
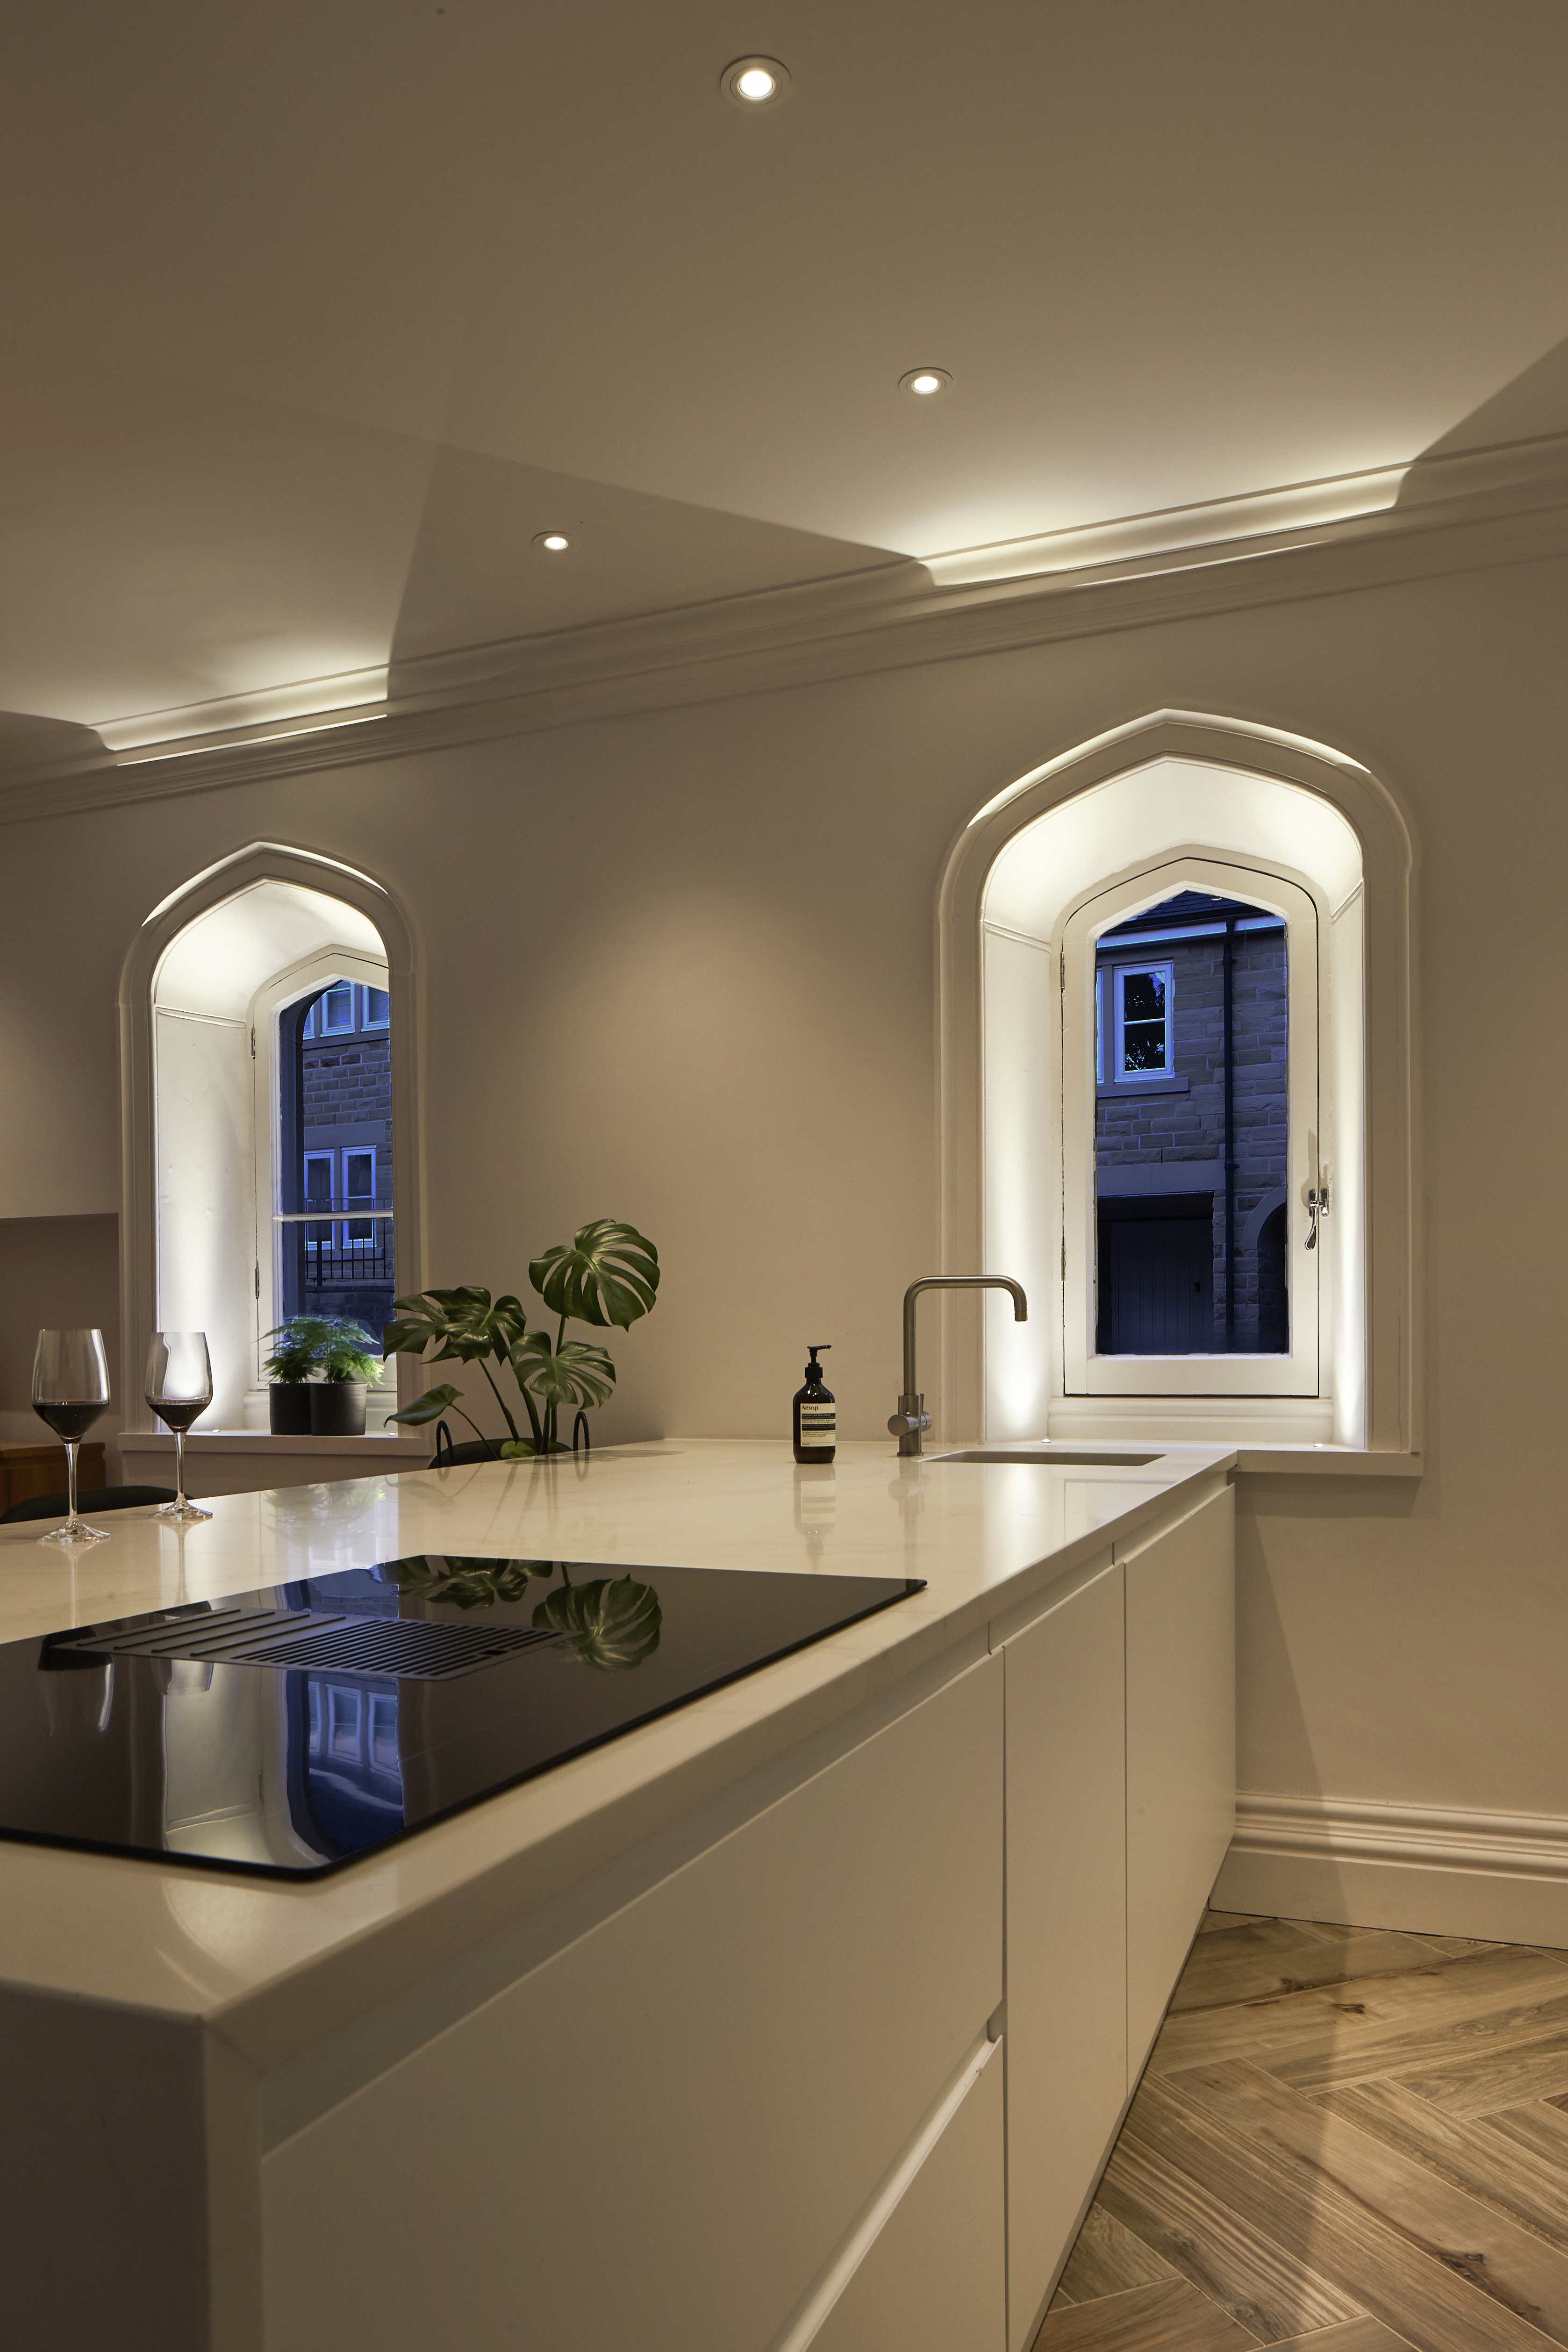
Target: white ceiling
(318,312)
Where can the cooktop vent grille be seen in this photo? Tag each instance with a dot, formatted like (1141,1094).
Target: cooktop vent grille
(402,1649)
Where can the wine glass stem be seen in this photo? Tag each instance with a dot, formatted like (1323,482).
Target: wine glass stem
(180,1467)
(71,1444)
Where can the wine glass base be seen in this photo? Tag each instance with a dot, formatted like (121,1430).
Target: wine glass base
(181,1510)
(75,1531)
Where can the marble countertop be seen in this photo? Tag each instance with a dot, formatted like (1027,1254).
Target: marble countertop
(273,1964)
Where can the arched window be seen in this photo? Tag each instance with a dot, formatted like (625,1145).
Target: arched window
(269,1089)
(1174,1015)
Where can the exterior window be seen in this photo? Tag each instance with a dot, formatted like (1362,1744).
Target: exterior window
(373,1008)
(1145,1009)
(318,1190)
(335,1011)
(332,1014)
(359,1192)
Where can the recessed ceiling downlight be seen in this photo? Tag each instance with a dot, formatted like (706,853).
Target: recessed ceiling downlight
(753,82)
(925,383)
(555,542)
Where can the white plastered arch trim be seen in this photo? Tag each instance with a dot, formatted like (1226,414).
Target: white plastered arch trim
(1376,910)
(261,874)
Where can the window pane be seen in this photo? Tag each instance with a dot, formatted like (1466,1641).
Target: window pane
(1143,1045)
(335,1113)
(1191,1221)
(376,1008)
(1143,996)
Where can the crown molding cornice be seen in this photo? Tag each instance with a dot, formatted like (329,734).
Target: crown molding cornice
(1474,512)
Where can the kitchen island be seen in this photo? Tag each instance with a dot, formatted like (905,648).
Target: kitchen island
(700,2039)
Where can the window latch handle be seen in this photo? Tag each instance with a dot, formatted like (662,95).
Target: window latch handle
(1317,1206)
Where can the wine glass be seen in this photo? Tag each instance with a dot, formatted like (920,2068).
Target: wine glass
(178,1385)
(70,1389)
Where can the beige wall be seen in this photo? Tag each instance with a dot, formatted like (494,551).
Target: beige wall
(56,1272)
(679,969)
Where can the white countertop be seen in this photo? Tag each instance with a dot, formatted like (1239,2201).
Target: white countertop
(273,1965)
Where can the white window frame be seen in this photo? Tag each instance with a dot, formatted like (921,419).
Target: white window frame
(370,1024)
(1122,1076)
(1085,1373)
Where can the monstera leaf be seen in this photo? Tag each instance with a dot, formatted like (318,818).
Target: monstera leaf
(610,1624)
(464,1321)
(469,1584)
(576,1373)
(429,1407)
(610,1274)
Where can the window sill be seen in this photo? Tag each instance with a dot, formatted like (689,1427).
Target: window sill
(1312,1461)
(382,1446)
(1131,1088)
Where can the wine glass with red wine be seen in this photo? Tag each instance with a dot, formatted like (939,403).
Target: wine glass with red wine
(70,1389)
(179,1387)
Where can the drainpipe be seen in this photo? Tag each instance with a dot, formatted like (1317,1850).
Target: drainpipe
(1229,1136)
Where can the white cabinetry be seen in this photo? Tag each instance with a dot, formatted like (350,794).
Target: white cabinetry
(1181,1748)
(657,2137)
(1067,1928)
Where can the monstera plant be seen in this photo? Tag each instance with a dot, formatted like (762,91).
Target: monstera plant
(608,1275)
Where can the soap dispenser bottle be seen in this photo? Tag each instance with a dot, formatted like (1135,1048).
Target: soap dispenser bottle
(815,1422)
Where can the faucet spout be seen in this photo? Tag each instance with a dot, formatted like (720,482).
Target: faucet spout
(911,1419)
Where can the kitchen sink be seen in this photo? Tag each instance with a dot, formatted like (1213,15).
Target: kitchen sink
(1059,1457)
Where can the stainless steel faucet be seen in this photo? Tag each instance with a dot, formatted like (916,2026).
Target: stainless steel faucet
(911,1419)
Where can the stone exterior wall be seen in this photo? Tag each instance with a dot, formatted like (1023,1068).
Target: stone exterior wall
(1140,1126)
(348,1099)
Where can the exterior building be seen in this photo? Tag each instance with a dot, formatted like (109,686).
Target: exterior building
(1190,1130)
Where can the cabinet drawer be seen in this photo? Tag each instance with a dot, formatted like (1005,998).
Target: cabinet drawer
(934,2279)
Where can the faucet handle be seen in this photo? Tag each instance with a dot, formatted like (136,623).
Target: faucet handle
(911,1419)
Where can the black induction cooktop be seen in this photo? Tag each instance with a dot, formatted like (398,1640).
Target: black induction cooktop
(292,1729)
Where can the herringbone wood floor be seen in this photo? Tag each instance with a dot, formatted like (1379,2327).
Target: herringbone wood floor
(1346,2141)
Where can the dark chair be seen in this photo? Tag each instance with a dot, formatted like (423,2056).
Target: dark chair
(94,1499)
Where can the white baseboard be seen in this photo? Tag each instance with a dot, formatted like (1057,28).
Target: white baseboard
(1500,1876)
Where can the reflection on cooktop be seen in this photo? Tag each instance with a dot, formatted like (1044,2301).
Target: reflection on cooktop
(292,1730)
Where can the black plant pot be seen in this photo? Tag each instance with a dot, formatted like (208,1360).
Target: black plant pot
(337,1408)
(288,1408)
